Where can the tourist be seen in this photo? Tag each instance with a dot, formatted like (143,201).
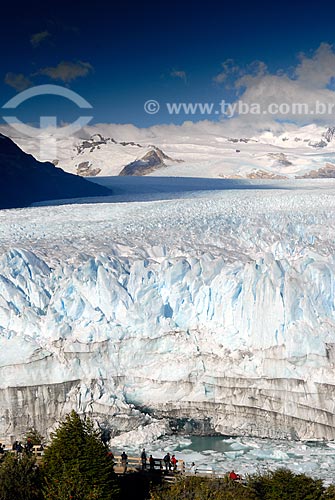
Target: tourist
(167,461)
(151,463)
(193,469)
(124,461)
(144,459)
(233,476)
(29,446)
(174,463)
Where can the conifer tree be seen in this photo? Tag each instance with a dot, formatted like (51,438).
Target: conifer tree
(20,478)
(76,463)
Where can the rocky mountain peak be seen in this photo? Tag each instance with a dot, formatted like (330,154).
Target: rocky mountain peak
(329,134)
(151,161)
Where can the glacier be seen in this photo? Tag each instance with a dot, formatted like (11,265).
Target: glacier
(208,313)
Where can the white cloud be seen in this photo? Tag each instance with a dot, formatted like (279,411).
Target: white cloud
(179,74)
(307,84)
(229,69)
(37,38)
(317,71)
(176,133)
(67,71)
(18,81)
(232,72)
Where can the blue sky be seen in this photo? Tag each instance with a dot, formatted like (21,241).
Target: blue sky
(117,56)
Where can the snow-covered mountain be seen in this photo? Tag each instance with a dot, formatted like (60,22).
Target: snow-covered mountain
(151,162)
(24,180)
(218,317)
(291,153)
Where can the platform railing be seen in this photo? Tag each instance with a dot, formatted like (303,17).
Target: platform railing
(36,451)
(135,464)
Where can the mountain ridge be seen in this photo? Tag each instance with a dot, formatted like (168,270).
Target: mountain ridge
(24,180)
(106,150)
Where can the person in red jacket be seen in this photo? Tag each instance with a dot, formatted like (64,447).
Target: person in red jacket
(174,462)
(234,476)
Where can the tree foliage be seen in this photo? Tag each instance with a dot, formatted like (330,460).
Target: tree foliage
(283,484)
(199,488)
(329,493)
(76,463)
(20,479)
(34,435)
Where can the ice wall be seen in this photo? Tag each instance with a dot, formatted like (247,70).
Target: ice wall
(209,344)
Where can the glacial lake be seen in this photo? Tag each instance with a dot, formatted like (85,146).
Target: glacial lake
(247,455)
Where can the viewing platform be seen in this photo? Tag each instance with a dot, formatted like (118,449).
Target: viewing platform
(134,464)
